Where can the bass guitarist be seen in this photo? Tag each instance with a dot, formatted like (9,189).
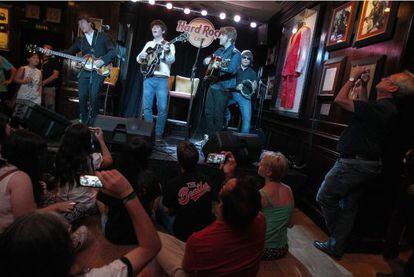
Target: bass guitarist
(245,73)
(99,45)
(217,97)
(157,83)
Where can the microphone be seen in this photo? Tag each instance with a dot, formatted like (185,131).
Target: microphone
(105,28)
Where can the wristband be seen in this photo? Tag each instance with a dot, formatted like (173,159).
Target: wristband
(130,196)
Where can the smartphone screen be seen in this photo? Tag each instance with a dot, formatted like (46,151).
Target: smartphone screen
(90,181)
(215,158)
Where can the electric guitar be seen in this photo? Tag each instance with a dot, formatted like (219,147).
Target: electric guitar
(88,62)
(214,66)
(152,61)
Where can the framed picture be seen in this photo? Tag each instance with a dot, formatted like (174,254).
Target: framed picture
(331,76)
(341,26)
(4,28)
(374,66)
(270,87)
(53,15)
(376,22)
(96,24)
(32,11)
(294,58)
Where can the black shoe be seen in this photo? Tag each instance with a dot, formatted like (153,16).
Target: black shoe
(326,248)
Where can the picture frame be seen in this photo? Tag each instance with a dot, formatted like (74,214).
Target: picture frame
(341,26)
(270,87)
(331,79)
(375,67)
(53,15)
(4,28)
(32,11)
(376,22)
(293,71)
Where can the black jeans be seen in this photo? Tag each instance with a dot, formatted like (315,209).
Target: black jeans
(89,91)
(216,105)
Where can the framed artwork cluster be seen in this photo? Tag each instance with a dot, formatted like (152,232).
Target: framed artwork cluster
(53,15)
(375,23)
(4,28)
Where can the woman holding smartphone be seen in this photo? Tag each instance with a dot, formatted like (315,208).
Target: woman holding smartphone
(76,156)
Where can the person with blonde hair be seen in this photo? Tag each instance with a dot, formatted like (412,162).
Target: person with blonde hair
(277,204)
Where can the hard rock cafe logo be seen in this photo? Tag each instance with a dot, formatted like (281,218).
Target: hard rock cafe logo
(199,30)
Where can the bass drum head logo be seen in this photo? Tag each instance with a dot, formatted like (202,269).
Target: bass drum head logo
(199,30)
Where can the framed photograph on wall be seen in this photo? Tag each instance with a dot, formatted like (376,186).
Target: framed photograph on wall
(53,15)
(270,87)
(4,28)
(374,66)
(331,76)
(294,55)
(32,11)
(341,26)
(376,22)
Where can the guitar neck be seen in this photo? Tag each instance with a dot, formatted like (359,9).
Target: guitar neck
(63,55)
(170,42)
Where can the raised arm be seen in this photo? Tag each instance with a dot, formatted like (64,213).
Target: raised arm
(106,154)
(19,77)
(115,184)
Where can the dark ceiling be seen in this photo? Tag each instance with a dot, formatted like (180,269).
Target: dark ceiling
(259,11)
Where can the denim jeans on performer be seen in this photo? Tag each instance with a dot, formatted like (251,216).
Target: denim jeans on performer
(156,86)
(245,107)
(339,193)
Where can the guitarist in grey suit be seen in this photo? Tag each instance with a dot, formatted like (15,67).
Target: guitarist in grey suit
(99,45)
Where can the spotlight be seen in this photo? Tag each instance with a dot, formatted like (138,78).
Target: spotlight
(203,12)
(253,24)
(187,11)
(151,2)
(237,18)
(294,30)
(169,6)
(134,1)
(222,15)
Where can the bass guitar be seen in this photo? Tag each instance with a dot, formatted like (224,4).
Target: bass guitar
(152,61)
(88,62)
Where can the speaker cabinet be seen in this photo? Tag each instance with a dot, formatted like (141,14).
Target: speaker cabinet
(40,120)
(118,130)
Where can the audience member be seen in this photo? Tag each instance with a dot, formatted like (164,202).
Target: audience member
(277,203)
(5,65)
(360,147)
(188,196)
(5,129)
(30,80)
(20,173)
(50,74)
(134,166)
(230,246)
(39,244)
(76,156)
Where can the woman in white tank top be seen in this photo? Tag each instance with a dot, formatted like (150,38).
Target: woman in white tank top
(30,80)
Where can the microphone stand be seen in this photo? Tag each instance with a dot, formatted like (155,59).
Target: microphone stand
(193,73)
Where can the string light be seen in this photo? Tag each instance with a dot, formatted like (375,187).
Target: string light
(222,15)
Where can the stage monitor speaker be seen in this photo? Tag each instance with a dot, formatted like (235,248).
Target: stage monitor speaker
(40,120)
(245,147)
(118,130)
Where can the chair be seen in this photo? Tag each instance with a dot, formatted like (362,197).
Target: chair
(110,81)
(183,91)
